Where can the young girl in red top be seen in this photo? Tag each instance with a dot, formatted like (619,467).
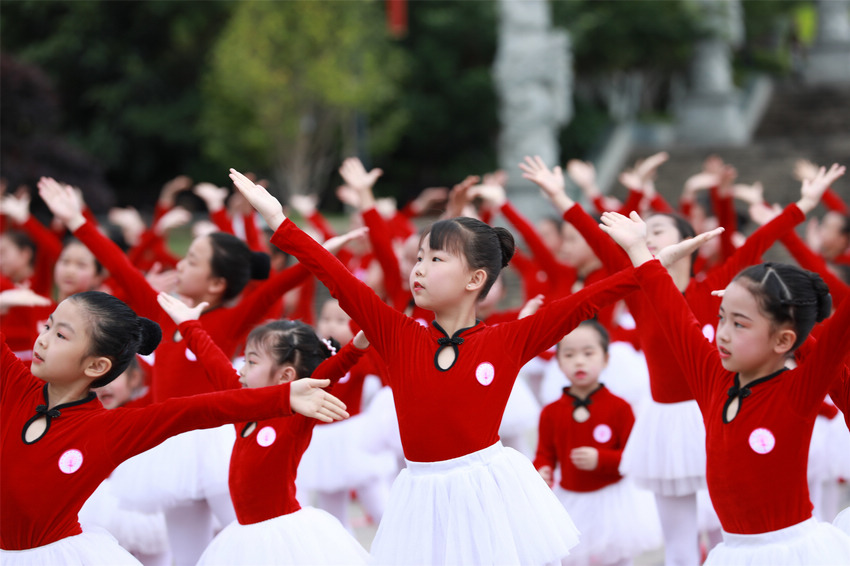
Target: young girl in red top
(271,527)
(758,414)
(463,498)
(58,443)
(583,434)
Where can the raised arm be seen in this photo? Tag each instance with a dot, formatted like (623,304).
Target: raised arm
(355,297)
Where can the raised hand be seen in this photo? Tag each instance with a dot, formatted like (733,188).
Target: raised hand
(168,193)
(674,252)
(429,197)
(307,397)
(494,196)
(63,201)
(629,233)
(804,169)
(530,307)
(813,189)
(647,169)
(583,174)
(16,207)
(459,197)
(21,298)
(160,280)
(761,213)
(551,181)
(360,180)
(305,205)
(750,194)
(179,311)
(214,197)
(177,216)
(335,244)
(360,341)
(269,207)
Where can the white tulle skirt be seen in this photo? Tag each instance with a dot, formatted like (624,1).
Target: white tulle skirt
(839,442)
(804,544)
(91,548)
(339,457)
(307,537)
(616,522)
(707,519)
(665,452)
(488,507)
(190,466)
(137,531)
(842,521)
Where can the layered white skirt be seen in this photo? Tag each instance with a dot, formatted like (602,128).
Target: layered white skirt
(340,457)
(809,543)
(842,521)
(137,531)
(617,522)
(91,548)
(190,466)
(665,452)
(488,507)
(307,537)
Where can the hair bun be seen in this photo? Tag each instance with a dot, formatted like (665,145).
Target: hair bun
(507,243)
(150,334)
(261,265)
(824,298)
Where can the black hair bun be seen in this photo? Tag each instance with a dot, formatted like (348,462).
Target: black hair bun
(824,298)
(507,243)
(150,334)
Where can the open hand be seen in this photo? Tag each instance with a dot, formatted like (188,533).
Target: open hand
(179,311)
(263,202)
(307,397)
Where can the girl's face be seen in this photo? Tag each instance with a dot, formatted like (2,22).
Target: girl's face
(661,232)
(333,323)
(76,270)
(575,251)
(833,241)
(745,337)
(582,359)
(61,351)
(260,370)
(194,272)
(550,233)
(438,278)
(14,261)
(120,390)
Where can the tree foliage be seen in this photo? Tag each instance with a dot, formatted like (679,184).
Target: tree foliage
(125,75)
(287,80)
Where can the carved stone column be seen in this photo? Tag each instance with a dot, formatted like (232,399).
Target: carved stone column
(828,62)
(533,79)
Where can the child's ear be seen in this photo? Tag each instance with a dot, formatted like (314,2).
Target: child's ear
(217,285)
(477,280)
(97,367)
(285,374)
(784,340)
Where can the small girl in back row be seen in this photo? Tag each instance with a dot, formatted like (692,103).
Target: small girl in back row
(758,413)
(585,432)
(58,443)
(463,498)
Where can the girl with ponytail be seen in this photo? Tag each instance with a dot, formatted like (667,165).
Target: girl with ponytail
(758,413)
(58,442)
(463,498)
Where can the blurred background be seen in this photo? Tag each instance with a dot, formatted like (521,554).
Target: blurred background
(119,97)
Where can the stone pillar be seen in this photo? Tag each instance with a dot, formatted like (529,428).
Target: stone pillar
(711,110)
(533,78)
(828,61)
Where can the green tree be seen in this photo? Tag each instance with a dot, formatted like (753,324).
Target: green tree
(287,82)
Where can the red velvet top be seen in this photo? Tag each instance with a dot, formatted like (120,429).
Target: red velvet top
(756,463)
(607,429)
(43,484)
(448,413)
